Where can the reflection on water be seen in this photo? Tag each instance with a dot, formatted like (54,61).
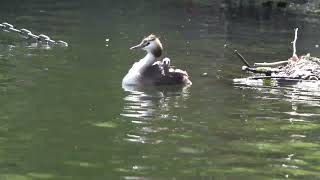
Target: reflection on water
(146,107)
(305,92)
(153,102)
(16,42)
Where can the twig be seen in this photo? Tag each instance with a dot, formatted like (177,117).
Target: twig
(276,77)
(294,55)
(266,71)
(278,63)
(242,58)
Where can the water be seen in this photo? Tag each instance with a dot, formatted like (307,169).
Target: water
(64,114)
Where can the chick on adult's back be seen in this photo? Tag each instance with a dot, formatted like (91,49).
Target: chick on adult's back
(149,71)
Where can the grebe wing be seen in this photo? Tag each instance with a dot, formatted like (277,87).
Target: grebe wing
(173,77)
(155,71)
(176,76)
(158,74)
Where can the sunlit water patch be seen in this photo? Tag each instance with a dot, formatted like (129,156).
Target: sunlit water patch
(153,102)
(150,109)
(302,98)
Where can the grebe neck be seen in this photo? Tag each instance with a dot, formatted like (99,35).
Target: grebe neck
(147,61)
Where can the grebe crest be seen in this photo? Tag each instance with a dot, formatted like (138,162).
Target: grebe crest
(151,44)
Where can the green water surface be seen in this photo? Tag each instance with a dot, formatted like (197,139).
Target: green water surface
(64,114)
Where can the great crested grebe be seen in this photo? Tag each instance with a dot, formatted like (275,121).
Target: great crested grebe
(149,71)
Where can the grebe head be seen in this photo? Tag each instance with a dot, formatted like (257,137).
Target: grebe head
(151,44)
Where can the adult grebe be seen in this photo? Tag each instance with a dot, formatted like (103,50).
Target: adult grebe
(149,71)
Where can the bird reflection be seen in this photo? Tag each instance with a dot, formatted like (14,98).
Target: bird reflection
(153,101)
(144,107)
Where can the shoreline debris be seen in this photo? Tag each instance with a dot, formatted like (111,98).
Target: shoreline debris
(303,67)
(27,34)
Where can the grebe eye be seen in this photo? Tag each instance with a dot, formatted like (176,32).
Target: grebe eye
(147,43)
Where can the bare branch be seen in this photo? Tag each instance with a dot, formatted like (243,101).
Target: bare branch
(294,54)
(273,64)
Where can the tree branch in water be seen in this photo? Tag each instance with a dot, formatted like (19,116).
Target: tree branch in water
(294,54)
(273,64)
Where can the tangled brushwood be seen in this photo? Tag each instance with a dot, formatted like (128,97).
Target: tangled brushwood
(304,67)
(28,35)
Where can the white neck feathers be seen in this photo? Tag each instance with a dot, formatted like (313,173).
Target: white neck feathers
(148,60)
(145,62)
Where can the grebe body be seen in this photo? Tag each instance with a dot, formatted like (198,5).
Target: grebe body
(150,71)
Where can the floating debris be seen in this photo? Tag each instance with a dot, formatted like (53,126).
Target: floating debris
(306,67)
(297,67)
(107,41)
(204,74)
(27,34)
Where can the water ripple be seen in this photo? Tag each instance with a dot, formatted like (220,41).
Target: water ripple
(153,102)
(306,92)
